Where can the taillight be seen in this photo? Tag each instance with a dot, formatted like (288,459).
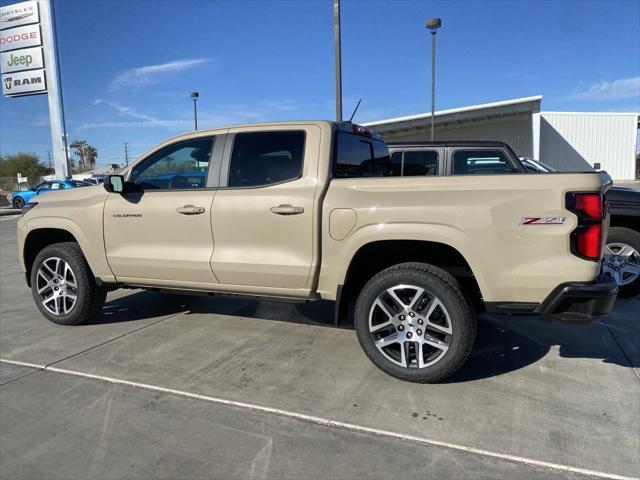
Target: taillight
(587,239)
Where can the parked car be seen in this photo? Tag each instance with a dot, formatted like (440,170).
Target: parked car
(21,197)
(97,180)
(621,258)
(318,210)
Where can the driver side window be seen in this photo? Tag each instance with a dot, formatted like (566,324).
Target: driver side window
(180,166)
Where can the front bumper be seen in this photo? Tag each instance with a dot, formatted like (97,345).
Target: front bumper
(579,302)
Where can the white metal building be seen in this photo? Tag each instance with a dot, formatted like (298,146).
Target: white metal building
(565,140)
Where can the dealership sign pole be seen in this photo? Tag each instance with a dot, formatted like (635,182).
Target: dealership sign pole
(29,65)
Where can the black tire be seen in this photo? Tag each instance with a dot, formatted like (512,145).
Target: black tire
(626,236)
(90,296)
(18,202)
(438,283)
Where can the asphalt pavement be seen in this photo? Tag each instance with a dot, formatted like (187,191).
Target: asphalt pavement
(164,386)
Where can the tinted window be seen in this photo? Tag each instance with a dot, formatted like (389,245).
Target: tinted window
(81,183)
(57,186)
(358,156)
(480,162)
(263,158)
(44,186)
(179,166)
(396,164)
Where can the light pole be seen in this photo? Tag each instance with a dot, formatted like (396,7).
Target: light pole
(337,51)
(194,97)
(433,24)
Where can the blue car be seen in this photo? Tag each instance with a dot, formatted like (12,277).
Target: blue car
(19,198)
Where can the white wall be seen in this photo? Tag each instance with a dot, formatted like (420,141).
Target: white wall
(575,141)
(515,131)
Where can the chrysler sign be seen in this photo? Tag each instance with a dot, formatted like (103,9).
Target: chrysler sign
(19,14)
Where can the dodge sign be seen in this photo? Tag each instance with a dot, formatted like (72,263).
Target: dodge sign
(21,37)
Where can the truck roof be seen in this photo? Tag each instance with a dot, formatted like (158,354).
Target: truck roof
(449,143)
(344,126)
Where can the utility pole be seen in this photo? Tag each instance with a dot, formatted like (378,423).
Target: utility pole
(49,159)
(126,154)
(338,58)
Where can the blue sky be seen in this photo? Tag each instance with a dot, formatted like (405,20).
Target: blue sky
(128,67)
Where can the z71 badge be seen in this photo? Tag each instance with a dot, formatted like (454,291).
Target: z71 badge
(542,220)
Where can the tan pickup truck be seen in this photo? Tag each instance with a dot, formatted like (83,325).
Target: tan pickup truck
(317,210)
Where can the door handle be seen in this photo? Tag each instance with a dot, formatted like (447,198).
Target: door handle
(190,210)
(287,210)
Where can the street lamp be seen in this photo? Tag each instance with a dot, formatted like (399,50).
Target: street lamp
(433,24)
(194,97)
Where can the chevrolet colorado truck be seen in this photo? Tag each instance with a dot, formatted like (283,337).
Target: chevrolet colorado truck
(318,210)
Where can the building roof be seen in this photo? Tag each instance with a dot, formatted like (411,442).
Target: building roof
(460,116)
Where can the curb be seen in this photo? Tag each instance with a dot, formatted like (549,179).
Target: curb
(9,211)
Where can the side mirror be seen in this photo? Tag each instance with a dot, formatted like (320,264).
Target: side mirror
(114,184)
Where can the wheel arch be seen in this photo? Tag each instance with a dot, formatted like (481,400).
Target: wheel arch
(375,256)
(40,232)
(38,239)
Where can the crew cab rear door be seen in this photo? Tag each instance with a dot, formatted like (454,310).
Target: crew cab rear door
(263,214)
(160,234)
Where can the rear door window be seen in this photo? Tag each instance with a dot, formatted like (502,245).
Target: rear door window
(480,162)
(265,158)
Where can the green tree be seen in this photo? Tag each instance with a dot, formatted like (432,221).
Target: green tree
(91,153)
(26,164)
(79,148)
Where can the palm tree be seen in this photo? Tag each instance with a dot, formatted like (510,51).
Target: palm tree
(91,153)
(79,147)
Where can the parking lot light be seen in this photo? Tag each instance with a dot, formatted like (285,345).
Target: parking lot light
(194,97)
(433,24)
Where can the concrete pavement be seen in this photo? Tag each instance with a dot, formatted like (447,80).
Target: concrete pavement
(562,394)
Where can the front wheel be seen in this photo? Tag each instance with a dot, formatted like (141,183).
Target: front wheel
(63,287)
(413,322)
(18,203)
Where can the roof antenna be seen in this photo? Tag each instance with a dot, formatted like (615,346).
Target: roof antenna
(354,111)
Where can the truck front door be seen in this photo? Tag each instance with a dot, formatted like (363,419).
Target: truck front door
(161,233)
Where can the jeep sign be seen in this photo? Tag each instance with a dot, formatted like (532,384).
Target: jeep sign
(21,83)
(20,37)
(25,59)
(19,14)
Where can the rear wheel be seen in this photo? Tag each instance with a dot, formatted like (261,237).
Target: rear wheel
(414,323)
(63,287)
(621,259)
(18,202)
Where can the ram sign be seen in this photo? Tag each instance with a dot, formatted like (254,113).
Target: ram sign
(23,83)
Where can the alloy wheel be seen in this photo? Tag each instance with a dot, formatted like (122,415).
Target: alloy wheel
(56,286)
(410,326)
